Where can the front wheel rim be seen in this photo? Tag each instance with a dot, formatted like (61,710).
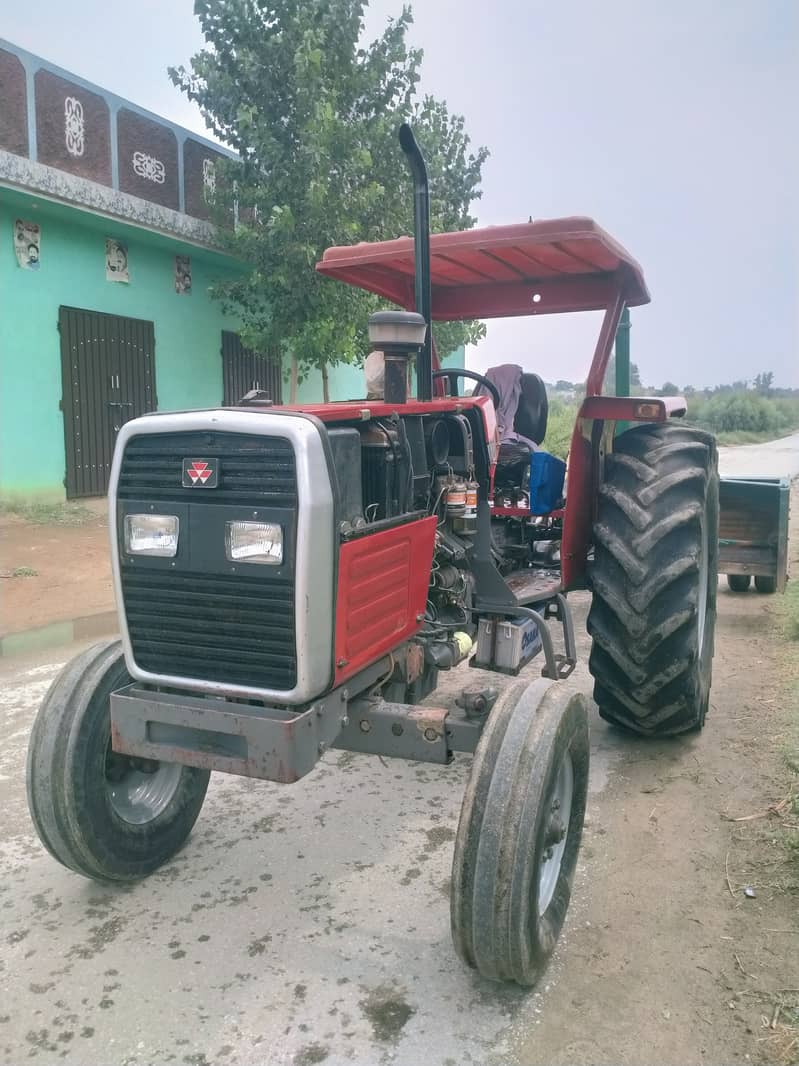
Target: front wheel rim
(139,790)
(559,807)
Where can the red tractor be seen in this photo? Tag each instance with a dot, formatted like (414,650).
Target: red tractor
(293,579)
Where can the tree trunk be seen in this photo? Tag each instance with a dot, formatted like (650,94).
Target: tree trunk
(294,370)
(325,384)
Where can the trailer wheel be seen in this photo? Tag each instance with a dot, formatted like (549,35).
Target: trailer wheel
(654,579)
(519,831)
(103,815)
(739,582)
(766,585)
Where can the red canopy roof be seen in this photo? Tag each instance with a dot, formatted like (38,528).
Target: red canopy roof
(564,264)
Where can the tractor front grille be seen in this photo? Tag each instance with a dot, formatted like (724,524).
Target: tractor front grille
(196,619)
(253,469)
(221,627)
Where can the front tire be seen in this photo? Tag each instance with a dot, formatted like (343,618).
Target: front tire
(653,609)
(103,815)
(519,831)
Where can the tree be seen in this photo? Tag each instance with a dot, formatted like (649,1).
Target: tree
(609,388)
(669,389)
(314,116)
(763,382)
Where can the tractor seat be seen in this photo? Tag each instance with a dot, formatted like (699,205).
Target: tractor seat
(523,410)
(523,405)
(531,415)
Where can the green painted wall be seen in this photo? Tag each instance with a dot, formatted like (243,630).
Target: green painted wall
(72,272)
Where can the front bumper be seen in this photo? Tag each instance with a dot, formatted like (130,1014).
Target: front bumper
(272,743)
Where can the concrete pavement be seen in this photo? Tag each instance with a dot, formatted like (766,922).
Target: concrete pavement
(776,458)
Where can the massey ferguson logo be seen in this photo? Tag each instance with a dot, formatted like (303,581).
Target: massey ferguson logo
(200,473)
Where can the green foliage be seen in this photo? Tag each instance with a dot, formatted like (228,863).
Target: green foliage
(560,424)
(744,411)
(314,117)
(764,381)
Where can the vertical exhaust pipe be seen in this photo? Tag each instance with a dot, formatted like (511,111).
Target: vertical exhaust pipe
(421,256)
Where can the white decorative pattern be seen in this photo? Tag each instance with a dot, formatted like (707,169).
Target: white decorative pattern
(147,166)
(209,179)
(61,185)
(74,126)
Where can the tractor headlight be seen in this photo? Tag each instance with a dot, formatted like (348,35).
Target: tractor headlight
(152,534)
(254,542)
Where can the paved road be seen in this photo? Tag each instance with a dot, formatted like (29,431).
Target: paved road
(301,924)
(779,458)
(310,923)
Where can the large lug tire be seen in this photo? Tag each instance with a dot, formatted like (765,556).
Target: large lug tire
(654,580)
(766,585)
(103,815)
(519,831)
(739,582)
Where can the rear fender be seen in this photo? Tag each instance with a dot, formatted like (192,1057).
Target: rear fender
(591,440)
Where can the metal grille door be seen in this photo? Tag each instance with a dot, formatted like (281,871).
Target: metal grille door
(108,377)
(244,369)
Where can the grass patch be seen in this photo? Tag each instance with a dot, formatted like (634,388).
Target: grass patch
(789,612)
(24,571)
(49,514)
(790,606)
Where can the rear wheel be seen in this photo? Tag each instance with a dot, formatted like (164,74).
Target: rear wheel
(653,609)
(105,815)
(519,831)
(739,582)
(766,585)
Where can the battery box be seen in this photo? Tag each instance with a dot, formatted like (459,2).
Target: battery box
(507,644)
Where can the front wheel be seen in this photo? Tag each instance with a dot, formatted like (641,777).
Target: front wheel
(519,831)
(766,585)
(107,816)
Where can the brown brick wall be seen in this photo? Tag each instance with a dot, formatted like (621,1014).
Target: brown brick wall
(72,127)
(148,159)
(13,105)
(194,155)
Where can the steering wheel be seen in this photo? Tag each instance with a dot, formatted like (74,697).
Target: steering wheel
(455,372)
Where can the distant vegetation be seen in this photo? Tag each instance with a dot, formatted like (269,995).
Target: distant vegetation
(739,413)
(747,415)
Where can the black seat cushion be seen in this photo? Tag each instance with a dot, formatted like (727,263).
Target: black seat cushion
(533,409)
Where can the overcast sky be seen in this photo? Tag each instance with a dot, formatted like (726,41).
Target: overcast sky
(674,124)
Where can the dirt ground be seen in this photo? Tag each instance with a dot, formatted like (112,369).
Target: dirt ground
(72,574)
(670,961)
